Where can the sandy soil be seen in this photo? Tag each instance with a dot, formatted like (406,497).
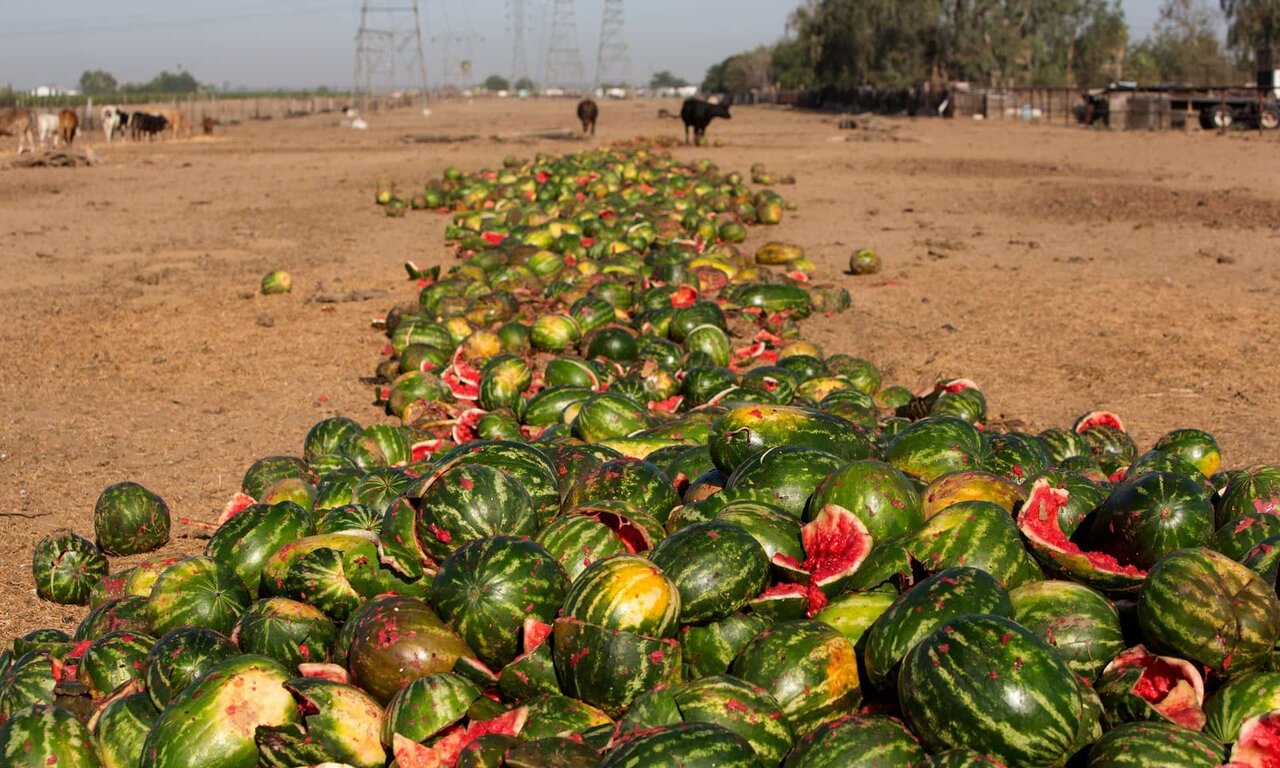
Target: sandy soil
(1062,269)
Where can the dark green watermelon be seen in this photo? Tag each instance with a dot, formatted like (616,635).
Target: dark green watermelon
(857,742)
(742,432)
(1081,624)
(254,534)
(286,630)
(197,592)
(880,496)
(42,736)
(1144,744)
(683,745)
(128,520)
(468,502)
(1151,515)
(936,446)
(608,668)
(716,566)
(65,567)
(180,657)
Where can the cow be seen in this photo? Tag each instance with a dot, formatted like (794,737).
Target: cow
(114,122)
(587,113)
(47,130)
(144,123)
(176,119)
(698,114)
(68,124)
(20,123)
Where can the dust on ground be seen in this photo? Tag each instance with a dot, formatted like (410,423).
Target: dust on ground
(1062,269)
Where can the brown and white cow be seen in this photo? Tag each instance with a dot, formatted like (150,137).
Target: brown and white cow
(20,123)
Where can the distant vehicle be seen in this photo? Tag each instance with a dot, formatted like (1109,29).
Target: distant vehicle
(1215,108)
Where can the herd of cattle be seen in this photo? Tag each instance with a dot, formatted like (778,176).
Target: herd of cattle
(62,128)
(695,113)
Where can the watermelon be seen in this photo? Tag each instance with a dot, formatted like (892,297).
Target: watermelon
(1254,490)
(1242,698)
(113,660)
(1017,456)
(1238,537)
(626,593)
(65,567)
(1041,522)
(716,567)
(742,432)
(1151,515)
(180,657)
(1080,624)
(683,745)
(394,640)
(1195,446)
(552,715)
(266,471)
(1142,744)
(881,497)
(576,541)
(776,531)
(1258,744)
(936,446)
(339,724)
(212,723)
(1063,444)
(29,681)
(787,475)
(710,648)
(286,630)
(853,614)
(608,415)
(327,437)
(129,520)
(42,736)
(608,668)
(120,729)
(487,589)
(380,487)
(938,599)
(526,463)
(636,482)
(197,592)
(553,752)
(857,742)
(351,517)
(971,485)
(258,531)
(1138,685)
(1112,448)
(986,683)
(127,613)
(975,533)
(469,502)
(1206,608)
(808,667)
(745,709)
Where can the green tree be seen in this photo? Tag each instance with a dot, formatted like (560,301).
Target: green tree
(1184,48)
(524,84)
(748,71)
(665,79)
(97,81)
(713,81)
(172,82)
(1253,29)
(496,83)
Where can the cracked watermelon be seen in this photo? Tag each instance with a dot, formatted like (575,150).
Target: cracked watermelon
(255,533)
(1080,624)
(394,640)
(338,724)
(1138,685)
(65,567)
(112,660)
(120,729)
(608,668)
(286,630)
(881,497)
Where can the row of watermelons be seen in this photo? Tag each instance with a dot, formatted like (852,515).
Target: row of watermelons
(654,553)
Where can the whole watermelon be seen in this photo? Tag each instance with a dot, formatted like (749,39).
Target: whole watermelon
(197,592)
(129,520)
(65,568)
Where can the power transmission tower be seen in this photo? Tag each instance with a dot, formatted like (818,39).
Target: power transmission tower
(519,59)
(613,62)
(564,61)
(390,35)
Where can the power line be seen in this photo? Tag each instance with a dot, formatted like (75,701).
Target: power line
(613,62)
(519,58)
(397,40)
(564,61)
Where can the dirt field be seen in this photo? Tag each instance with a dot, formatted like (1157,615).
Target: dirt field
(1062,269)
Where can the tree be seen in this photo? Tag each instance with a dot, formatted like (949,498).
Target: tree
(97,81)
(665,79)
(713,81)
(524,84)
(172,82)
(748,71)
(496,83)
(1253,29)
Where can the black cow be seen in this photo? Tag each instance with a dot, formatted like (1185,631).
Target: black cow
(587,113)
(698,114)
(143,122)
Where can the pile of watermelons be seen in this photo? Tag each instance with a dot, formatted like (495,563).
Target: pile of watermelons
(629,518)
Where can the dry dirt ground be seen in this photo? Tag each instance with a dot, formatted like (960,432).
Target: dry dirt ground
(1062,269)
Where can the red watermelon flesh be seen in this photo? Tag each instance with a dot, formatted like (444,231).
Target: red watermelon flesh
(1258,745)
(1172,686)
(1039,520)
(444,753)
(835,544)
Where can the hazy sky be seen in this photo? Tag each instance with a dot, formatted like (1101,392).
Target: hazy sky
(309,43)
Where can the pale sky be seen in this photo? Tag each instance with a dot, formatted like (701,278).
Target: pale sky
(306,43)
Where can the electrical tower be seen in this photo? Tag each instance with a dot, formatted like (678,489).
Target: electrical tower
(519,59)
(389,46)
(564,61)
(613,62)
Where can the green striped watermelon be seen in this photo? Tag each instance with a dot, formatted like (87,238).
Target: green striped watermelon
(212,723)
(327,436)
(638,483)
(1063,444)
(735,705)
(120,729)
(427,705)
(394,640)
(1146,744)
(786,474)
(553,752)
(742,432)
(880,496)
(989,684)
(857,742)
(526,463)
(197,592)
(1238,537)
(978,534)
(1195,446)
(128,520)
(716,567)
(808,666)
(266,471)
(65,567)
(1041,522)
(710,648)
(351,517)
(127,613)
(43,736)
(1254,490)
(551,715)
(608,668)
(1138,685)
(29,681)
(1209,609)
(971,485)
(113,660)
(961,758)
(935,446)
(576,541)
(487,589)
(627,593)
(1017,456)
(340,724)
(608,415)
(286,630)
(1080,624)
(469,502)
(1242,698)
(683,745)
(1151,515)
(255,533)
(180,657)
(918,612)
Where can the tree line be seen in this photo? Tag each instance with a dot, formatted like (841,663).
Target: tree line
(97,81)
(896,44)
